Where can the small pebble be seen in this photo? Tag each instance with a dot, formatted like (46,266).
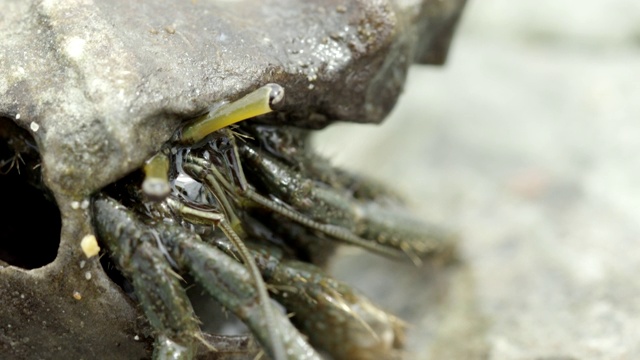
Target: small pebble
(89,245)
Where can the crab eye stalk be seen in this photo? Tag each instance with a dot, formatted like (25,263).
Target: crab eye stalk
(156,184)
(256,103)
(156,181)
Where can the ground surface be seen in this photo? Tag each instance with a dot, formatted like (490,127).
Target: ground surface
(527,144)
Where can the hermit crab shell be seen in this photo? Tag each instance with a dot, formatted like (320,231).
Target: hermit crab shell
(100,86)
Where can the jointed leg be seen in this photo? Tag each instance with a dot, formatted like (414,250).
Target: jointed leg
(336,318)
(386,230)
(330,211)
(216,219)
(163,299)
(156,285)
(229,283)
(202,171)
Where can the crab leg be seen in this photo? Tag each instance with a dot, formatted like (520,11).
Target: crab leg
(337,319)
(324,209)
(291,145)
(218,220)
(363,219)
(156,285)
(230,283)
(163,299)
(200,170)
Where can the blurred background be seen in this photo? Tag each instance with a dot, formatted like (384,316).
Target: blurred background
(526,143)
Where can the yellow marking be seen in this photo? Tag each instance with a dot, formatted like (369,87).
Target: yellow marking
(253,104)
(156,181)
(89,245)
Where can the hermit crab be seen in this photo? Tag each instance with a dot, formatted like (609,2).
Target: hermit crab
(143,134)
(225,180)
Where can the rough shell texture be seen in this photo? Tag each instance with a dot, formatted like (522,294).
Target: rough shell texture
(101,86)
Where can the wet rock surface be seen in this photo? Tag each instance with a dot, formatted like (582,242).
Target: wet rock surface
(99,87)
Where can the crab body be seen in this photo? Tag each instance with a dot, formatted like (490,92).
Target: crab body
(97,89)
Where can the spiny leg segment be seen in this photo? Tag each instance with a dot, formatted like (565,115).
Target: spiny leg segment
(329,211)
(336,318)
(384,226)
(156,285)
(164,300)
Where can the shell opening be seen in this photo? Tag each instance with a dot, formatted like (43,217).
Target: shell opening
(30,221)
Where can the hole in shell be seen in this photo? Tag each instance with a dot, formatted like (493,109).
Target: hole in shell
(30,222)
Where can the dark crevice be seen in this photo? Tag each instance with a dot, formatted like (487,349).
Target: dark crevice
(116,276)
(30,221)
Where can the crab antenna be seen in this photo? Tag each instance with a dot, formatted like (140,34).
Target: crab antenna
(256,103)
